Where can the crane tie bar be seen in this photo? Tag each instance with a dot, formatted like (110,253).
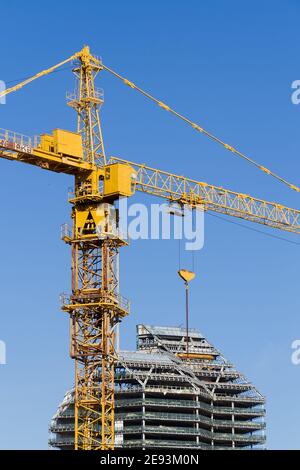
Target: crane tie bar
(198,128)
(85,52)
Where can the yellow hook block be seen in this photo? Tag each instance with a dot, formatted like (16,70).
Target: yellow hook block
(186,275)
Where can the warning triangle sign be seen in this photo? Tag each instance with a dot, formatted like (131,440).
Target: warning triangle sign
(89,225)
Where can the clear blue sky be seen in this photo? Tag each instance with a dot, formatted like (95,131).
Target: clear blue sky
(229,66)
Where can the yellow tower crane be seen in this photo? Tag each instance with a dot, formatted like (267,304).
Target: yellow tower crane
(95,306)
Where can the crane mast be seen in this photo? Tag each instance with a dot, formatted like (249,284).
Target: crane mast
(94,305)
(86,100)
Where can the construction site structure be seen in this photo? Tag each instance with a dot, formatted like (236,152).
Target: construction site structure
(95,306)
(163,400)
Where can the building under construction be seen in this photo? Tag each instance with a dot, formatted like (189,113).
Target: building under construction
(165,398)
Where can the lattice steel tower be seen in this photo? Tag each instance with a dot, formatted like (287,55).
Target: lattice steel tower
(94,305)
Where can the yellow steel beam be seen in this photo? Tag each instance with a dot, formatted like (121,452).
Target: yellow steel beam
(47,161)
(194,193)
(86,101)
(84,54)
(16,147)
(200,129)
(38,75)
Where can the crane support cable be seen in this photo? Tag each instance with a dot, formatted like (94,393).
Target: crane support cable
(38,75)
(198,128)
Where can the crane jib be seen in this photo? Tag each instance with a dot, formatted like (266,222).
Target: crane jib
(15,146)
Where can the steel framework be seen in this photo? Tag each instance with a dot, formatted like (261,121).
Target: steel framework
(199,194)
(94,311)
(86,100)
(163,401)
(95,306)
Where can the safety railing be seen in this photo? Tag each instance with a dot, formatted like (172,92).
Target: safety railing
(61,427)
(65,231)
(96,297)
(97,94)
(159,388)
(190,418)
(196,432)
(15,137)
(240,398)
(190,390)
(60,441)
(152,443)
(190,404)
(161,444)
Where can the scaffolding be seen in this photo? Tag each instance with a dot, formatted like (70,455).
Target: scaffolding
(165,399)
